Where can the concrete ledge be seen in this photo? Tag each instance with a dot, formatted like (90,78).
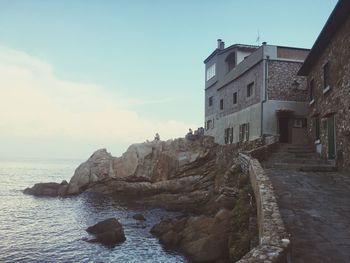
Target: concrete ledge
(274,243)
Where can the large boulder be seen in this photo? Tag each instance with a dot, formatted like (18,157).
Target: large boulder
(160,160)
(202,238)
(47,189)
(99,166)
(108,232)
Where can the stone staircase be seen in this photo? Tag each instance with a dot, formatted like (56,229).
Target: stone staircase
(298,157)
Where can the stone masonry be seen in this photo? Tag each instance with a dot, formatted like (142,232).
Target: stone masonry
(274,241)
(282,77)
(337,100)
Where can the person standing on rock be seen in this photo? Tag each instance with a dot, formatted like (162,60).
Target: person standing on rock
(157,137)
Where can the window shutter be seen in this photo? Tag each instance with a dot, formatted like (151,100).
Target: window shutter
(304,123)
(247,131)
(240,133)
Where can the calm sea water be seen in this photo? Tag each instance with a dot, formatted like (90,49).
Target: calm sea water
(34,229)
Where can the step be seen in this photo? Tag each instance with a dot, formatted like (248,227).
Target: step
(302,167)
(299,160)
(295,146)
(311,156)
(296,150)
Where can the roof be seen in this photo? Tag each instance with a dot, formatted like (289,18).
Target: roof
(338,16)
(242,47)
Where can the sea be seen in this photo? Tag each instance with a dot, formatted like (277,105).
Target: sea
(48,229)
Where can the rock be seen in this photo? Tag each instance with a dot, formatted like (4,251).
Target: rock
(202,238)
(108,232)
(64,182)
(207,249)
(162,227)
(223,214)
(46,189)
(97,167)
(62,190)
(73,189)
(139,217)
(171,238)
(149,168)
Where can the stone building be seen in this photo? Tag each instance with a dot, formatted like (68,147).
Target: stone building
(327,68)
(252,91)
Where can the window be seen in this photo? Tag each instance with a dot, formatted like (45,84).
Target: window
(244,132)
(311,90)
(211,72)
(300,123)
(210,102)
(227,135)
(235,98)
(221,104)
(250,89)
(231,61)
(326,85)
(209,124)
(317,128)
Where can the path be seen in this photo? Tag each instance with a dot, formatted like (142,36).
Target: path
(315,207)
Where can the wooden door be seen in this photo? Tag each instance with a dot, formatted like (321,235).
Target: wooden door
(331,137)
(284,130)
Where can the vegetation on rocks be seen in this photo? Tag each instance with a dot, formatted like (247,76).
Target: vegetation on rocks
(243,234)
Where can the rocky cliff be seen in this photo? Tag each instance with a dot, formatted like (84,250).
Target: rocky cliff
(197,176)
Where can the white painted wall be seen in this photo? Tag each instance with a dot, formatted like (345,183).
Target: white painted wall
(270,117)
(240,55)
(249,115)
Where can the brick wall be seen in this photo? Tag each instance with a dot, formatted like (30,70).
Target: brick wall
(282,75)
(292,53)
(337,100)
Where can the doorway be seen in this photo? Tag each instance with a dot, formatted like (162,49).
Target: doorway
(284,130)
(331,137)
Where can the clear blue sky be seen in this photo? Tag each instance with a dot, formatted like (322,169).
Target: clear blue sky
(149,51)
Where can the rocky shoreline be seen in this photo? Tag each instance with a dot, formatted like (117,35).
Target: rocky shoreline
(198,177)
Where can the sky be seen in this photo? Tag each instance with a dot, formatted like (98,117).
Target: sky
(77,76)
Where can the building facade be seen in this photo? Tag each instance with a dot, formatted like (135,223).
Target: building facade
(328,74)
(252,91)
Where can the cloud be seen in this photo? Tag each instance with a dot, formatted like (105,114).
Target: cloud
(35,103)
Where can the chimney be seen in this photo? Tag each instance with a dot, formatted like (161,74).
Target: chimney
(221,44)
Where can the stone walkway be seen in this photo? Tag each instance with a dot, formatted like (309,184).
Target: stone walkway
(315,207)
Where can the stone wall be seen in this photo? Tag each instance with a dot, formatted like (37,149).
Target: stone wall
(283,82)
(274,243)
(263,152)
(337,100)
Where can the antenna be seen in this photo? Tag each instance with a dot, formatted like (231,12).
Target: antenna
(258,38)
